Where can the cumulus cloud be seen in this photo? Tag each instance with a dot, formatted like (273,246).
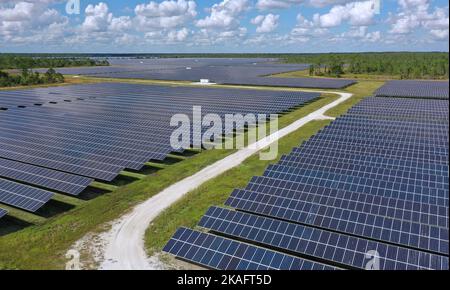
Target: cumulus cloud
(361,33)
(166,15)
(224,15)
(266,23)
(276,4)
(323,3)
(355,13)
(416,14)
(23,21)
(178,35)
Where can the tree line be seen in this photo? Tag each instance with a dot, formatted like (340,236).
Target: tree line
(28,62)
(402,65)
(28,77)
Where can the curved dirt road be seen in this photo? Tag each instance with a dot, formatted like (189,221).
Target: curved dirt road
(123,245)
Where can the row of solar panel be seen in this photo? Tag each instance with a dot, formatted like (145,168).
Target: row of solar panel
(415,89)
(341,196)
(107,128)
(316,243)
(143,93)
(92,148)
(224,73)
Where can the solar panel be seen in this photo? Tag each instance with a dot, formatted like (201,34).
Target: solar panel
(375,179)
(43,177)
(366,182)
(110,127)
(23,196)
(323,212)
(415,89)
(309,242)
(219,71)
(220,253)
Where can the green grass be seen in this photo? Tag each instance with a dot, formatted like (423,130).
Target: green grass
(43,246)
(190,208)
(360,91)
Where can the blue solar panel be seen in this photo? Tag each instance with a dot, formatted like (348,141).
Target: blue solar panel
(23,196)
(43,177)
(220,253)
(110,127)
(415,89)
(341,215)
(223,71)
(330,247)
(375,179)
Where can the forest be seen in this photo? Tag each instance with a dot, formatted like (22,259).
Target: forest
(402,65)
(28,77)
(9,61)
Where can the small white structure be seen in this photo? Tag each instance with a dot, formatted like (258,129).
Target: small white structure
(204,82)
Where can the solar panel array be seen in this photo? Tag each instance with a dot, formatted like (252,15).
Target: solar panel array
(83,133)
(374,182)
(224,254)
(223,71)
(415,89)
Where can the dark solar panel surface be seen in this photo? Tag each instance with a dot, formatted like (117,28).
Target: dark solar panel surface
(43,177)
(221,70)
(224,254)
(376,179)
(415,89)
(23,196)
(84,132)
(316,243)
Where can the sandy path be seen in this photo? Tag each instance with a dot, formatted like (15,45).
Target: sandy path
(122,247)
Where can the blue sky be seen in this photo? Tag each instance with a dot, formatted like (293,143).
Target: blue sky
(224,26)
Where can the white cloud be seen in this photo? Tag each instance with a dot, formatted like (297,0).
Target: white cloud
(415,14)
(166,15)
(276,4)
(178,35)
(323,3)
(361,34)
(97,18)
(22,21)
(355,13)
(224,15)
(266,23)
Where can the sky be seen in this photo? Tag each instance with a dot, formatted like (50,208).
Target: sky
(215,26)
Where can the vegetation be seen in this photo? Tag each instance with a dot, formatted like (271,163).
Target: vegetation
(28,77)
(403,65)
(8,61)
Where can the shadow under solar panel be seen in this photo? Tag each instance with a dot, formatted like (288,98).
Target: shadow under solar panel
(2,213)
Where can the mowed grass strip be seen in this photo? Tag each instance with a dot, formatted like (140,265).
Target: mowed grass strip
(188,211)
(44,246)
